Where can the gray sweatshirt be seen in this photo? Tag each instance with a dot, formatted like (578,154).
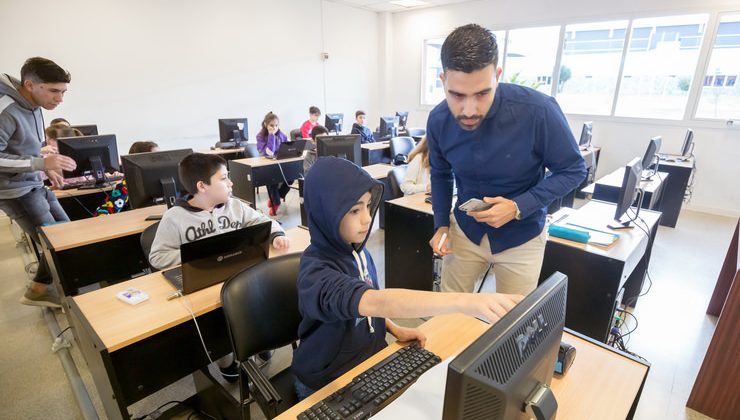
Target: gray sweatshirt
(21,135)
(185,223)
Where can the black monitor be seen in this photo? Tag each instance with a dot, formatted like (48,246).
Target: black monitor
(403,118)
(345,147)
(333,122)
(507,371)
(233,130)
(152,177)
(688,143)
(94,155)
(388,127)
(651,157)
(87,130)
(586,134)
(627,193)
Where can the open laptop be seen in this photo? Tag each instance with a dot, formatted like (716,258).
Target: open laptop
(214,259)
(291,149)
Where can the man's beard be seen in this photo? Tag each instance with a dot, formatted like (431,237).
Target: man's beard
(466,127)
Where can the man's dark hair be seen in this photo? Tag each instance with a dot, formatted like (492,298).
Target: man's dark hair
(314,110)
(142,147)
(198,167)
(318,131)
(469,48)
(358,113)
(42,70)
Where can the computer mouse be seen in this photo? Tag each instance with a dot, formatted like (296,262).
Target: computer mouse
(566,355)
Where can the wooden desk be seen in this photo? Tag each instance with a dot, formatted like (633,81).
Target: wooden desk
(81,204)
(134,351)
(250,173)
(98,249)
(378,152)
(409,260)
(675,189)
(599,278)
(601,384)
(228,154)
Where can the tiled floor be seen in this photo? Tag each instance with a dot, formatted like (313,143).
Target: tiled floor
(673,330)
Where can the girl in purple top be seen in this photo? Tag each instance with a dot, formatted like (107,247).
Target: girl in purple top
(269,140)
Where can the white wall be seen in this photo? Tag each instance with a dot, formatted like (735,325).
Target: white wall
(166,70)
(717,186)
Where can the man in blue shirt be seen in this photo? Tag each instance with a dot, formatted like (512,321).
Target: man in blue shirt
(496,141)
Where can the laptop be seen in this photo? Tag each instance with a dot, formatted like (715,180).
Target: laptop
(215,259)
(291,149)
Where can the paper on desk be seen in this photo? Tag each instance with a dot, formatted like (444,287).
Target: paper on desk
(422,400)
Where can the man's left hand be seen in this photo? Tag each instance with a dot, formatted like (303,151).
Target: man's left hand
(503,211)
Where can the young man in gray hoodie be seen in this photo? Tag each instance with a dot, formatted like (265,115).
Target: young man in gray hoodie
(23,196)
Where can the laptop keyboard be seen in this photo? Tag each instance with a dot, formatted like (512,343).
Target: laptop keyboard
(174,276)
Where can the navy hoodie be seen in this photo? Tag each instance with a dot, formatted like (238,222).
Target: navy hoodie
(334,336)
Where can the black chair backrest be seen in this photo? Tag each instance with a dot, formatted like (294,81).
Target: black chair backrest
(261,306)
(296,134)
(147,237)
(250,150)
(401,146)
(416,133)
(395,179)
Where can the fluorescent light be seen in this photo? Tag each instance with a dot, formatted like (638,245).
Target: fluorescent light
(409,3)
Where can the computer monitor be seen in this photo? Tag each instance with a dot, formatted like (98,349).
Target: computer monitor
(627,192)
(388,127)
(586,134)
(152,177)
(233,130)
(87,130)
(403,118)
(94,155)
(333,122)
(650,157)
(509,368)
(688,143)
(345,147)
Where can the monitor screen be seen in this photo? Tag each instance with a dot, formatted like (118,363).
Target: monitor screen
(586,133)
(688,143)
(345,147)
(388,126)
(233,129)
(333,122)
(94,155)
(512,361)
(651,153)
(403,118)
(152,177)
(87,130)
(627,192)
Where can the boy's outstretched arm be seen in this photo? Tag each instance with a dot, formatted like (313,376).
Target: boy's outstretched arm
(404,303)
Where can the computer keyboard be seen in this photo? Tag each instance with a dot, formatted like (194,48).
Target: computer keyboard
(375,388)
(90,184)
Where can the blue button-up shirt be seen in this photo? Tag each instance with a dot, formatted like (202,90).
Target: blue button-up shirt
(523,133)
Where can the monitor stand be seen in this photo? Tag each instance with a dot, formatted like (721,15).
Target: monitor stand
(541,403)
(98,172)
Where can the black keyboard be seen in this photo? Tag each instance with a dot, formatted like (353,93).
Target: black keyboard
(375,388)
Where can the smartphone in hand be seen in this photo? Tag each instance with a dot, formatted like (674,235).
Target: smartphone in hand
(475,204)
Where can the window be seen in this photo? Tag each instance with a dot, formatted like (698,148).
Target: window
(720,95)
(589,67)
(660,63)
(530,57)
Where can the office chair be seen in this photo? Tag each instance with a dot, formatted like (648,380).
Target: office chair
(250,150)
(260,305)
(395,179)
(416,133)
(401,146)
(146,239)
(295,134)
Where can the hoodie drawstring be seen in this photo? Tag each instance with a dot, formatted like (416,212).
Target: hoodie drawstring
(361,261)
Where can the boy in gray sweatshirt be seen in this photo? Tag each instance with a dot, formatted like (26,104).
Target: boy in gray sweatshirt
(23,196)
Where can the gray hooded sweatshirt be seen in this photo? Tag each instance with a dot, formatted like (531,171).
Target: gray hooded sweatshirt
(21,135)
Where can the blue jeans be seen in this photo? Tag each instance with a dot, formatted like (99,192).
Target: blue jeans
(301,390)
(37,208)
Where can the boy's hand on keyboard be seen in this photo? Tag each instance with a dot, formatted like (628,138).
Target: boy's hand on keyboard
(491,306)
(281,242)
(408,334)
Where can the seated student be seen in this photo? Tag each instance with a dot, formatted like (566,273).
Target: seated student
(344,314)
(60,121)
(53,132)
(417,172)
(269,140)
(310,158)
(117,200)
(360,128)
(313,120)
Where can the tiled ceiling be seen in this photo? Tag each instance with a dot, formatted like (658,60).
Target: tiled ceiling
(386,6)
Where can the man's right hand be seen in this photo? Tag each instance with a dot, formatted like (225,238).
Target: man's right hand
(59,163)
(446,247)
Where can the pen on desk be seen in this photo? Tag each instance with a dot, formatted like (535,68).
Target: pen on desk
(441,241)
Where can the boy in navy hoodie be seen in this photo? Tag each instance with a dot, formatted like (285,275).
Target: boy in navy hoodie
(343,311)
